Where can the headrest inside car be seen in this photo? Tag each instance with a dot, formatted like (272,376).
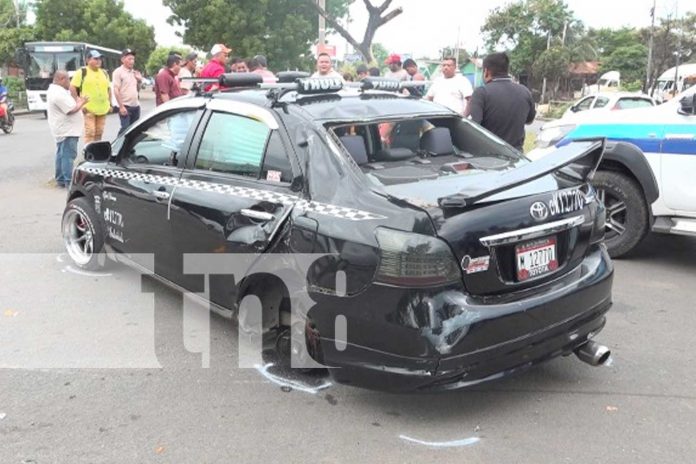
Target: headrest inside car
(437,142)
(355,145)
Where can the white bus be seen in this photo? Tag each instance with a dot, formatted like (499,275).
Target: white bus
(41,59)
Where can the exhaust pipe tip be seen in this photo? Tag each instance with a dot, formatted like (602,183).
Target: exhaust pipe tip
(593,353)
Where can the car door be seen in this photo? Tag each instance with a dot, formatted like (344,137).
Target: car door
(679,162)
(235,192)
(138,188)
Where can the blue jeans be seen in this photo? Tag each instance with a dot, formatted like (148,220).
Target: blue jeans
(65,155)
(132,115)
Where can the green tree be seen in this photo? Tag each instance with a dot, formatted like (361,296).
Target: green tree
(101,22)
(553,64)
(527,28)
(283,30)
(630,60)
(13,30)
(380,53)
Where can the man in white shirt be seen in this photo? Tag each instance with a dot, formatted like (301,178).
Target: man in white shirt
(325,68)
(451,90)
(126,83)
(188,68)
(66,123)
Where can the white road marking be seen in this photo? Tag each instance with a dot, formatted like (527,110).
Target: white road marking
(442,444)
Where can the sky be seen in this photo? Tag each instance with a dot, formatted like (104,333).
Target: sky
(426,26)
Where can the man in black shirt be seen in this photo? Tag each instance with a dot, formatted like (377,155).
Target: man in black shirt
(501,105)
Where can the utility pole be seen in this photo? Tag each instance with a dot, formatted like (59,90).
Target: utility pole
(648,74)
(543,85)
(322,26)
(678,52)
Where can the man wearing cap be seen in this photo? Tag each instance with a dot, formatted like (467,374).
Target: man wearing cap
(167,81)
(126,82)
(93,82)
(188,67)
(216,65)
(395,71)
(262,70)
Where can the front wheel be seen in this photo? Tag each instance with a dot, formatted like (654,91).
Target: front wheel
(83,235)
(628,217)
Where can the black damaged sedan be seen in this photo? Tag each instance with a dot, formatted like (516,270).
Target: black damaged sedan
(462,260)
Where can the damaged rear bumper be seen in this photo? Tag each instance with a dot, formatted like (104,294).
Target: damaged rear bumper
(406,340)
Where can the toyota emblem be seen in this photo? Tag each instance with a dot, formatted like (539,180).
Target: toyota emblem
(539,211)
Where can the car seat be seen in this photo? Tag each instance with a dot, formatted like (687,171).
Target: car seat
(355,146)
(437,142)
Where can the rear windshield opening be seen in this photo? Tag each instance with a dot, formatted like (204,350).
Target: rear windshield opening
(413,150)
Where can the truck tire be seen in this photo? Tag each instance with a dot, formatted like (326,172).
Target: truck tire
(628,218)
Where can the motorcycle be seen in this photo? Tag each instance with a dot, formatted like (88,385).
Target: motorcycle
(7,125)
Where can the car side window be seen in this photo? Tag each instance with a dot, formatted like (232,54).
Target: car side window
(233,144)
(276,165)
(601,102)
(161,142)
(584,104)
(629,103)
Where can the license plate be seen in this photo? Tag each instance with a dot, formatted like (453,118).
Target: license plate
(536,258)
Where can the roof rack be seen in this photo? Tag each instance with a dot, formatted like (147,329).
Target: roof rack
(300,82)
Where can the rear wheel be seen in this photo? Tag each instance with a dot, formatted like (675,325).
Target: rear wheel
(9,125)
(83,235)
(627,213)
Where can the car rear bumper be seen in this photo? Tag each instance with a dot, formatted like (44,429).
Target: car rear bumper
(473,340)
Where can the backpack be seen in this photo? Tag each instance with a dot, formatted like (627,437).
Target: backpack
(83,71)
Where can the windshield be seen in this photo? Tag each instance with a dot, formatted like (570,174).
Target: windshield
(44,64)
(415,150)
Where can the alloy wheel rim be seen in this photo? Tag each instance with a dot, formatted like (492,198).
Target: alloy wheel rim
(78,237)
(616,213)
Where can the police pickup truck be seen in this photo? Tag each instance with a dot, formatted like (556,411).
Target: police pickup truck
(666,136)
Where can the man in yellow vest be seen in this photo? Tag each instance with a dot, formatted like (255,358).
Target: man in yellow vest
(93,82)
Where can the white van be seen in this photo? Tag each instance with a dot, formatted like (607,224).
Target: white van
(666,87)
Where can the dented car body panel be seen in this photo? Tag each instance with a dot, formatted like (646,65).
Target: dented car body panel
(482,320)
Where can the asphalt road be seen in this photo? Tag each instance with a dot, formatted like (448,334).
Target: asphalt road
(97,371)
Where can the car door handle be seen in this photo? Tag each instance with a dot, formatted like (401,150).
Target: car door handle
(257,215)
(160,195)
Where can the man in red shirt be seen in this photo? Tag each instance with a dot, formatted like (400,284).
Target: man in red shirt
(166,82)
(216,65)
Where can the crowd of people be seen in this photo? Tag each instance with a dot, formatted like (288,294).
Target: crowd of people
(78,106)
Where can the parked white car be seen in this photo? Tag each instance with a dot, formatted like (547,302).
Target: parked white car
(665,135)
(609,101)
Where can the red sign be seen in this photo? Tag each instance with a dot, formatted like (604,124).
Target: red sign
(330,49)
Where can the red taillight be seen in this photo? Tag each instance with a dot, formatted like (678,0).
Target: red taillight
(415,260)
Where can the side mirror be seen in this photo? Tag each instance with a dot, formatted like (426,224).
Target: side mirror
(574,109)
(687,105)
(97,151)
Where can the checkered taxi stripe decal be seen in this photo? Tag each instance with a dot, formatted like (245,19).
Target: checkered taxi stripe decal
(323,209)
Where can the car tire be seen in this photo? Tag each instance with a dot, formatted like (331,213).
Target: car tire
(83,235)
(627,215)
